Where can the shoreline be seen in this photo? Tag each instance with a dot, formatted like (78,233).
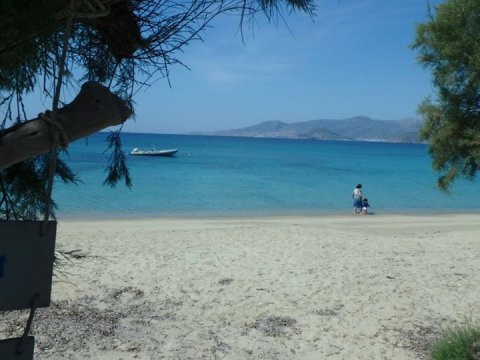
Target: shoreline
(296,287)
(260,215)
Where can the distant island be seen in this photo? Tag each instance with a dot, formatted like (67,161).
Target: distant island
(358,128)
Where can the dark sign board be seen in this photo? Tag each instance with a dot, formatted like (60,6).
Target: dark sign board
(26,264)
(9,349)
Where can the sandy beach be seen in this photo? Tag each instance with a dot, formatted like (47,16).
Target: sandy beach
(327,287)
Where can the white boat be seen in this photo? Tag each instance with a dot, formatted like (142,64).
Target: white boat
(153,152)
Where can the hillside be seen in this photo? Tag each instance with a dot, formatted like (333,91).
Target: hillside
(359,128)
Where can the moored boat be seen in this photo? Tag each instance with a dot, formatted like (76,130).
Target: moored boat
(153,152)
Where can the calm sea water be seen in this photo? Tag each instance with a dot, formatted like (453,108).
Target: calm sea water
(252,176)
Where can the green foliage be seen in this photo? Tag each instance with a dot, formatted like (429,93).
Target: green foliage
(449,45)
(118,169)
(23,188)
(460,343)
(22,56)
(136,41)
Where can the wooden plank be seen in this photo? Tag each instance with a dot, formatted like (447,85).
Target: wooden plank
(27,263)
(8,349)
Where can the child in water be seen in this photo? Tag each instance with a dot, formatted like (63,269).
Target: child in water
(365,206)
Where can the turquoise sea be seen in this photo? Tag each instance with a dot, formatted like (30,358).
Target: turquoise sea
(230,176)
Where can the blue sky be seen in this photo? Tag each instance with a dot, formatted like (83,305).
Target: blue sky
(352,59)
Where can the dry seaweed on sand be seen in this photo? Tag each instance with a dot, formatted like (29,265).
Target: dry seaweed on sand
(276,326)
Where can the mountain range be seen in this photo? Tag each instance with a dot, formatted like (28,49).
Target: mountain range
(358,128)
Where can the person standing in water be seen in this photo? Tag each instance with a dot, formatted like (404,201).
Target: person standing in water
(357,197)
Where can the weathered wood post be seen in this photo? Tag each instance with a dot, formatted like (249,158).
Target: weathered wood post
(94,109)
(27,253)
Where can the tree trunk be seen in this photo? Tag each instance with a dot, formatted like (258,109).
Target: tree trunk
(117,22)
(94,109)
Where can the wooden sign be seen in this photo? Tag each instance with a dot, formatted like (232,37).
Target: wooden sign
(26,264)
(9,349)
